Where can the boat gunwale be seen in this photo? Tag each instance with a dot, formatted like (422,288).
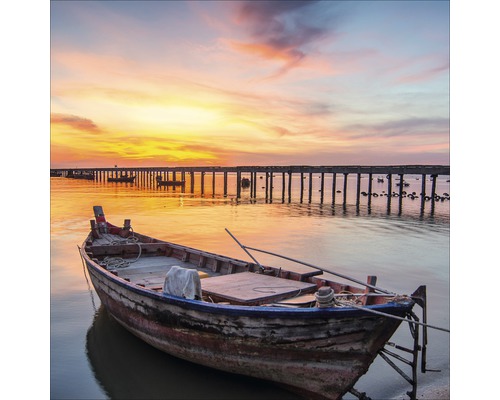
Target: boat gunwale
(393,308)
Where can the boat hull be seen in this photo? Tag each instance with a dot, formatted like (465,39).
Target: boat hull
(170,183)
(319,353)
(123,179)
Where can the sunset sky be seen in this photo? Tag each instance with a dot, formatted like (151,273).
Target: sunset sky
(152,83)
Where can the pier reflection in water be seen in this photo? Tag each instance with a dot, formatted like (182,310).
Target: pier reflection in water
(128,368)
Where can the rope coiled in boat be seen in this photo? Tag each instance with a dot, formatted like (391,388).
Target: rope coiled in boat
(114,263)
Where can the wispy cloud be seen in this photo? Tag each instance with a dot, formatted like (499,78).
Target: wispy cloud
(402,127)
(75,122)
(425,75)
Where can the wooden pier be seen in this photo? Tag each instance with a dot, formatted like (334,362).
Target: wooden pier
(187,179)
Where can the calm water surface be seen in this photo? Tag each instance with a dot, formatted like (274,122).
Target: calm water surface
(94,358)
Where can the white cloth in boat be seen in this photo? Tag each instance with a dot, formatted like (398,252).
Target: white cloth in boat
(183,282)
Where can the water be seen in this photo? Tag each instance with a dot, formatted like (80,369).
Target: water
(94,358)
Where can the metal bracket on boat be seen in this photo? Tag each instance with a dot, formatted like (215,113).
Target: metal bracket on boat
(420,298)
(359,395)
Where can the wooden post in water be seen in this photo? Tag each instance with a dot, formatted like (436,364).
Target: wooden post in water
(213,183)
(433,187)
(370,179)
(422,193)
(389,191)
(334,187)
(301,186)
(255,185)
(345,188)
(358,186)
(433,193)
(271,184)
(202,183)
(283,187)
(225,183)
(310,186)
(267,185)
(322,190)
(401,185)
(192,181)
(289,186)
(238,184)
(253,182)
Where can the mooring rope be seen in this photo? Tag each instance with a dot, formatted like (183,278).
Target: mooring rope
(85,274)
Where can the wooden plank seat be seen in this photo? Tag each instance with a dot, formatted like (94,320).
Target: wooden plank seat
(129,249)
(248,288)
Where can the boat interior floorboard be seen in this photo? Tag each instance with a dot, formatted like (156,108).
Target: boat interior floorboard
(151,271)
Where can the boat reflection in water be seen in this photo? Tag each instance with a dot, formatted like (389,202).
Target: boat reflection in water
(128,368)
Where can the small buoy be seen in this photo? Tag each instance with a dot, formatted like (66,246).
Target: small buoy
(375,194)
(338,191)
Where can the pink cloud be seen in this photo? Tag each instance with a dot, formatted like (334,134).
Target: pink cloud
(73,121)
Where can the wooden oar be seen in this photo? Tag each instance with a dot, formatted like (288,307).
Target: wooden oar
(244,249)
(307,264)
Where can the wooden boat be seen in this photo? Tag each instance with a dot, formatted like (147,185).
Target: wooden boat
(122,178)
(80,175)
(169,183)
(303,331)
(245,182)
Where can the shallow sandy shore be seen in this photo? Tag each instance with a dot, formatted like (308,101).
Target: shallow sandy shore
(436,391)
